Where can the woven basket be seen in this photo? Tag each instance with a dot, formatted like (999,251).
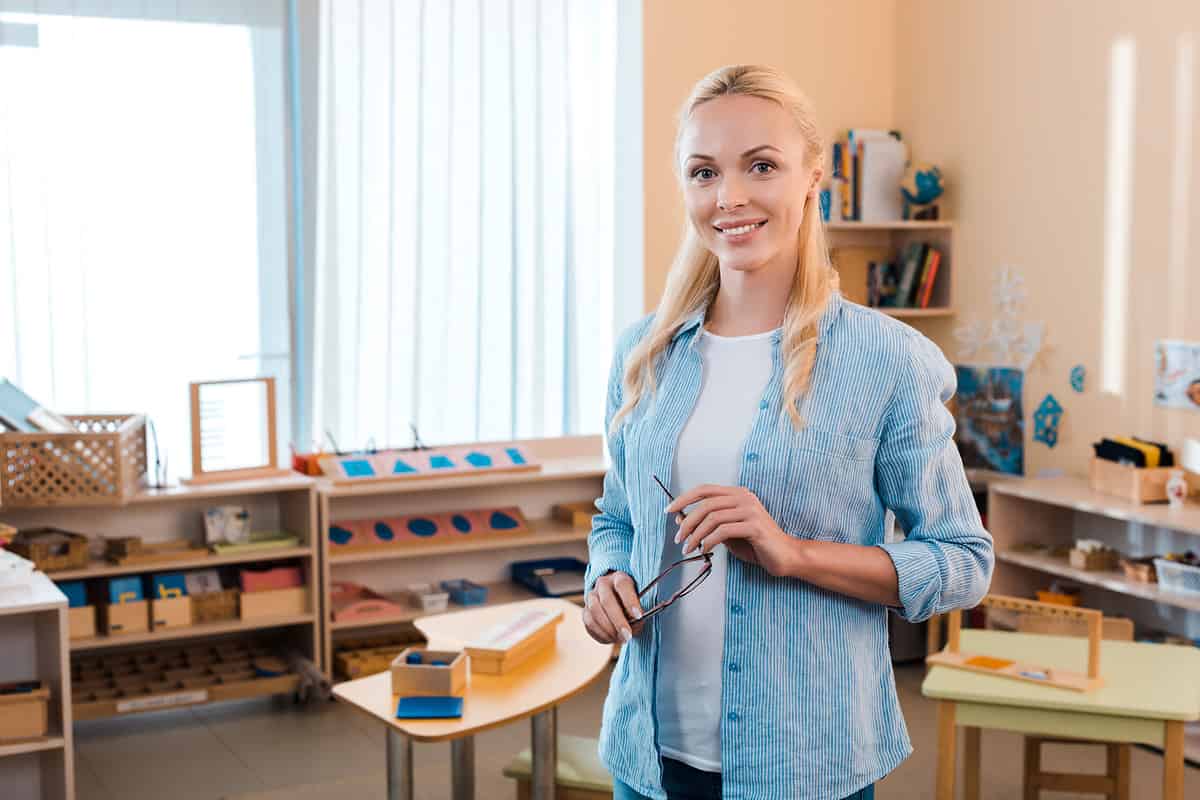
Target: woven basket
(103,463)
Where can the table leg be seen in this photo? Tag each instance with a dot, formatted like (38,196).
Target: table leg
(545,753)
(399,766)
(462,768)
(971,765)
(1173,760)
(933,634)
(946,747)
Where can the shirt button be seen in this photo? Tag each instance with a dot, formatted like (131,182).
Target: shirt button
(752,457)
(763,404)
(733,716)
(733,667)
(736,609)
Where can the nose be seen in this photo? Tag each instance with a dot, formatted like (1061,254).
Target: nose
(730,194)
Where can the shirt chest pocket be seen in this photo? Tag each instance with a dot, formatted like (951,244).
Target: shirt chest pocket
(831,480)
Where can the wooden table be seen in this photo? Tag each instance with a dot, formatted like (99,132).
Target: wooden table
(532,690)
(1150,691)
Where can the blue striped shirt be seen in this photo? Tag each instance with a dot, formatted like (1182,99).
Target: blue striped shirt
(808,699)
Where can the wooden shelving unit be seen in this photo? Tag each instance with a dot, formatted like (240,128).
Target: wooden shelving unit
(1055,512)
(573,468)
(498,593)
(287,503)
(893,237)
(33,644)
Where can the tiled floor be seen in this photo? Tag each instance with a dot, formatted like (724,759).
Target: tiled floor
(330,751)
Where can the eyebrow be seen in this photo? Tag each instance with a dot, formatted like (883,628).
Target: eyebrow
(746,154)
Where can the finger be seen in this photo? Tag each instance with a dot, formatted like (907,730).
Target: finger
(698,514)
(726,533)
(710,524)
(697,493)
(599,619)
(610,605)
(626,591)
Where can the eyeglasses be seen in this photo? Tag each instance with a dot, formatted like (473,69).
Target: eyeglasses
(687,588)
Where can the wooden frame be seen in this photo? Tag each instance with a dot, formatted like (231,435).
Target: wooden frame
(270,469)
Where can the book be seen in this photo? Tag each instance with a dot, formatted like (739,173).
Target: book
(22,413)
(914,256)
(882,169)
(935,258)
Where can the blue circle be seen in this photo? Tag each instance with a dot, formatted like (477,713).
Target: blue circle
(503,522)
(384,531)
(339,535)
(461,523)
(422,527)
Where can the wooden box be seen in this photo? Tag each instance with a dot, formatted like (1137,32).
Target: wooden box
(101,463)
(215,606)
(579,513)
(23,713)
(81,622)
(509,644)
(427,680)
(51,549)
(275,603)
(171,612)
(1094,560)
(133,617)
(1140,569)
(1137,484)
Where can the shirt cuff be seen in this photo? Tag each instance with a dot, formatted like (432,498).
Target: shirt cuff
(919,578)
(600,565)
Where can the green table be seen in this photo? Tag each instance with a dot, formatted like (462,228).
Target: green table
(1150,691)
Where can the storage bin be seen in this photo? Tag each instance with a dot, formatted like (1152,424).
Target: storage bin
(427,680)
(170,612)
(23,713)
(81,622)
(131,617)
(1174,576)
(275,603)
(101,463)
(215,606)
(427,598)
(1136,484)
(550,577)
(51,549)
(466,593)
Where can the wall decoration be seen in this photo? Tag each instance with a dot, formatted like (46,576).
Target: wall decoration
(1177,374)
(426,462)
(1011,342)
(1078,374)
(1046,420)
(990,433)
(347,536)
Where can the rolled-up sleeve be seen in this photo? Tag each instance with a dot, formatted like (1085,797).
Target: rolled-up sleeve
(946,559)
(611,539)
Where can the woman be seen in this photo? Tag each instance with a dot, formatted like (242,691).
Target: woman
(787,422)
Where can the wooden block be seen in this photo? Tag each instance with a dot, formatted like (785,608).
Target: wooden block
(81,622)
(23,714)
(427,680)
(171,612)
(132,617)
(509,644)
(579,514)
(275,603)
(1094,560)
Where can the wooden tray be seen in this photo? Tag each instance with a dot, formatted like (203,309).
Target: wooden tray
(122,553)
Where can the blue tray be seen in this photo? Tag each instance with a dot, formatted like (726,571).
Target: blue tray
(532,574)
(465,593)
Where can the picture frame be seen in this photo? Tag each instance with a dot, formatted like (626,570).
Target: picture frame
(233,431)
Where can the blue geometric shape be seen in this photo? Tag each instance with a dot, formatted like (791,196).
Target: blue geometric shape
(358,468)
(1077,375)
(461,523)
(76,593)
(422,527)
(401,467)
(384,532)
(1046,420)
(502,522)
(515,455)
(479,459)
(440,462)
(339,535)
(429,708)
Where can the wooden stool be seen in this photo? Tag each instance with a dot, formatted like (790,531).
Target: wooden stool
(579,775)
(1113,784)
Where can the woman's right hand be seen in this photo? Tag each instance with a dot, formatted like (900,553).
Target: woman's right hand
(611,610)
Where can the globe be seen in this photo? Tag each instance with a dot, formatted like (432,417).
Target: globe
(922,184)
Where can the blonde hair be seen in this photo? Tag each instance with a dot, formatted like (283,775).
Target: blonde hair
(695,275)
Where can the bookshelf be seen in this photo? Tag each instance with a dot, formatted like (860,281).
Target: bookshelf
(853,244)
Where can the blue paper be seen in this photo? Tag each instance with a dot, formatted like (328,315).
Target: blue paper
(1046,420)
(429,708)
(1078,373)
(76,593)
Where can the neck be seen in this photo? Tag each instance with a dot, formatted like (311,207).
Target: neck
(752,301)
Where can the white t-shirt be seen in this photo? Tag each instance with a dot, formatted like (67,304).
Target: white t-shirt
(691,655)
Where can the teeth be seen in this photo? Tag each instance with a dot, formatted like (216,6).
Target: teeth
(740,229)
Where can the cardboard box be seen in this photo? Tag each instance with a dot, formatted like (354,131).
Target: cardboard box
(275,603)
(171,612)
(23,712)
(427,680)
(81,622)
(131,617)
(1137,484)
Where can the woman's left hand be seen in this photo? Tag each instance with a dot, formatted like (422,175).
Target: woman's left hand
(735,517)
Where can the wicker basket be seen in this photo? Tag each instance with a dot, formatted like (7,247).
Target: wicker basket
(104,463)
(51,549)
(215,606)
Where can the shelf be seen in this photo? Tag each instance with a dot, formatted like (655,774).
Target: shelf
(175,494)
(498,593)
(190,632)
(100,569)
(910,313)
(545,531)
(558,469)
(31,745)
(1112,581)
(44,596)
(1077,494)
(896,225)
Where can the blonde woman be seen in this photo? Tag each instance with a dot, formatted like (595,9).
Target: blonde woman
(786,422)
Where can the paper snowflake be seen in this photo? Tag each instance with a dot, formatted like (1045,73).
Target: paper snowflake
(971,339)
(1078,373)
(1009,292)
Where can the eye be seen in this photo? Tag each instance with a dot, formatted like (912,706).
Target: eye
(703,173)
(762,167)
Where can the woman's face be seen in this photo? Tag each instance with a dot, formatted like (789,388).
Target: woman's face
(745,181)
(1193,392)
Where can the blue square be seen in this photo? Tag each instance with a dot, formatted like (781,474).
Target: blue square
(358,468)
(76,593)
(168,584)
(429,708)
(125,590)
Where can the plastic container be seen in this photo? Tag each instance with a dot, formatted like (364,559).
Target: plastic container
(1174,576)
(466,593)
(550,577)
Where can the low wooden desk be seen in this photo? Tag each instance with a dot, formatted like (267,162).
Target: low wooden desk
(1150,691)
(532,690)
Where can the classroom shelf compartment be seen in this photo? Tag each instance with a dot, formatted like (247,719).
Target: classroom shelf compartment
(1111,581)
(32,745)
(498,593)
(545,531)
(192,631)
(102,569)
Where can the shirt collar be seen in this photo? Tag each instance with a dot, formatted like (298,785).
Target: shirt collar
(832,308)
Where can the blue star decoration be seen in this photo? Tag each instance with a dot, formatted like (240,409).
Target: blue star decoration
(1045,420)
(1077,376)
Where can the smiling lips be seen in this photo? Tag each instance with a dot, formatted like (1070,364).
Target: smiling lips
(739,230)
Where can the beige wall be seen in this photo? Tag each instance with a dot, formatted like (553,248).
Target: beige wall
(1011,98)
(848,77)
